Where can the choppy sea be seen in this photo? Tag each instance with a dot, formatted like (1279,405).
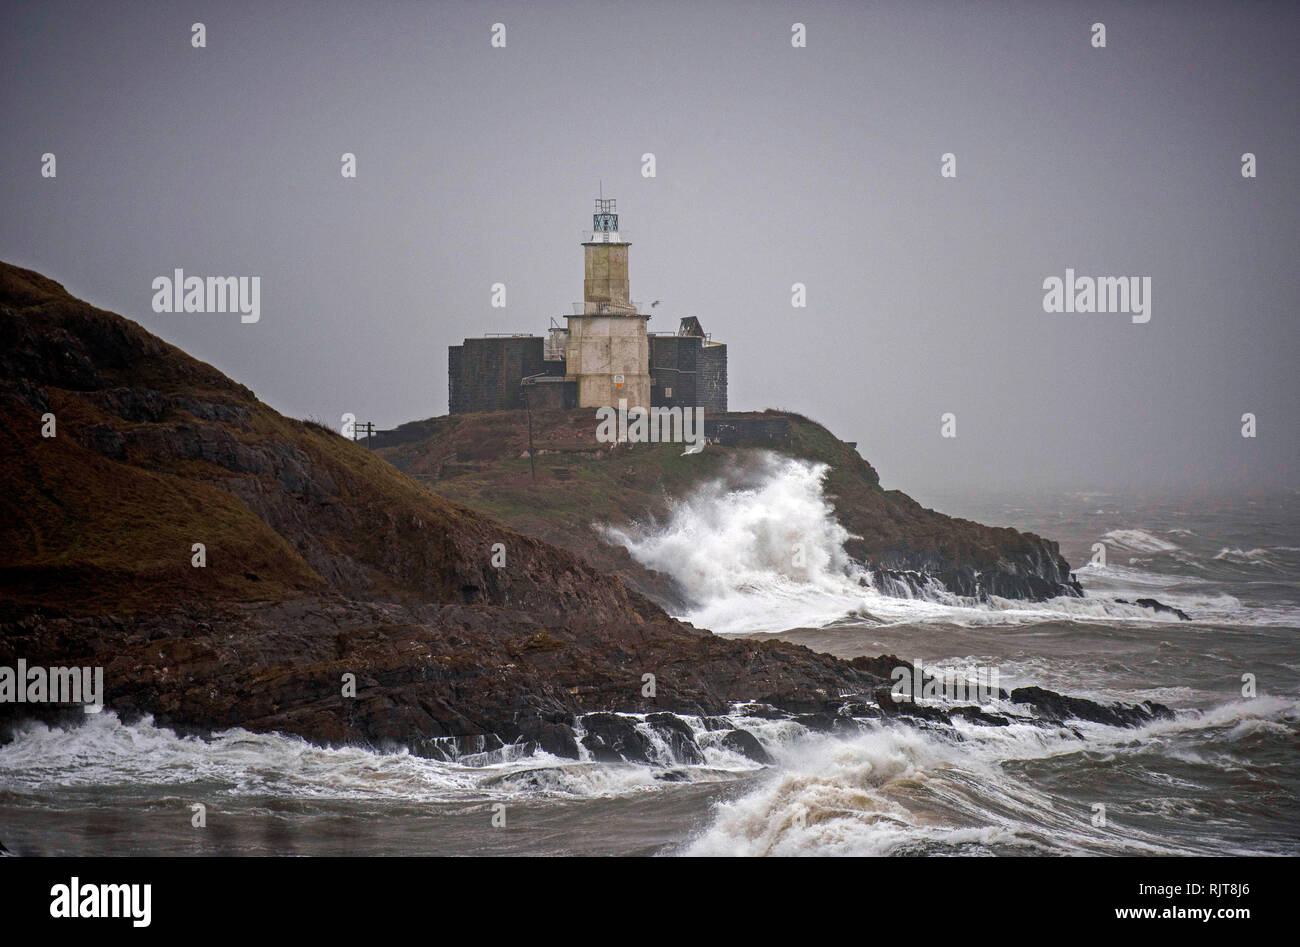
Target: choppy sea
(1222,778)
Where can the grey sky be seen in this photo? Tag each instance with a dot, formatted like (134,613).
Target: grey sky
(775,165)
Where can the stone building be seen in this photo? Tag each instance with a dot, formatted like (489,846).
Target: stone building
(603,354)
(688,369)
(484,374)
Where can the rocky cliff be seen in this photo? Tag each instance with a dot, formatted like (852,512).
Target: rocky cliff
(322,564)
(481,461)
(321,560)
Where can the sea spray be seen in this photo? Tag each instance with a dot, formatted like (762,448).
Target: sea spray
(757,550)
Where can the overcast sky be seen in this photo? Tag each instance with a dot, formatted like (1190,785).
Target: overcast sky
(775,165)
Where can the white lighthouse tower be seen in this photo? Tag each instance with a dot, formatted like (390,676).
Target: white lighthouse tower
(608,349)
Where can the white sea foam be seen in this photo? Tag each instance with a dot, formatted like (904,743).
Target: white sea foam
(1247,556)
(764,555)
(879,793)
(1138,540)
(103,751)
(891,789)
(761,551)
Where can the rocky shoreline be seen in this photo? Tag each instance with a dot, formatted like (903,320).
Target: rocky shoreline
(570,693)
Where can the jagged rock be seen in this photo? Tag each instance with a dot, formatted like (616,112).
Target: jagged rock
(449,749)
(1057,707)
(556,739)
(883,666)
(1158,607)
(828,723)
(762,711)
(976,715)
(612,739)
(908,708)
(886,667)
(857,709)
(679,736)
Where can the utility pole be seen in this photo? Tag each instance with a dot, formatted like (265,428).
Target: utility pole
(532,460)
(363,427)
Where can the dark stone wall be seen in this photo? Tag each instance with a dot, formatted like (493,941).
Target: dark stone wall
(673,367)
(484,374)
(455,390)
(711,379)
(560,396)
(746,430)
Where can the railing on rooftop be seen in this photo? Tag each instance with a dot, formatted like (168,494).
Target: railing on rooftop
(708,336)
(579,308)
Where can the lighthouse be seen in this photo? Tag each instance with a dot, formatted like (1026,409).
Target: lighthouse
(604,354)
(607,352)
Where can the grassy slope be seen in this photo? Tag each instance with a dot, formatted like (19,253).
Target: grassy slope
(102,517)
(89,532)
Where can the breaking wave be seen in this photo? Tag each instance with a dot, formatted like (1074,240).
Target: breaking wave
(1247,556)
(103,751)
(760,551)
(901,790)
(890,789)
(1138,541)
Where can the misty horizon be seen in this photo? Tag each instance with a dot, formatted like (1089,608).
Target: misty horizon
(774,165)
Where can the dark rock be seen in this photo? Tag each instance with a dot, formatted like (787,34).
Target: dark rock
(141,405)
(679,735)
(746,744)
(1156,606)
(975,715)
(908,708)
(857,709)
(612,738)
(828,723)
(762,711)
(1058,708)
(820,723)
(673,776)
(883,667)
(449,749)
(1161,607)
(554,738)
